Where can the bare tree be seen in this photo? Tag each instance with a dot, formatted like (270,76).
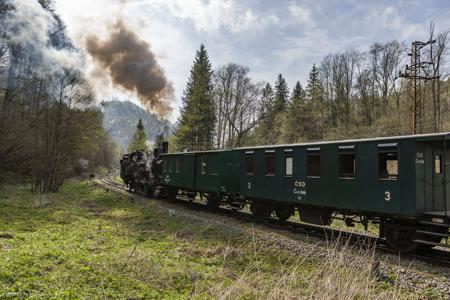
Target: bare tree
(437,58)
(386,60)
(337,73)
(325,72)
(237,104)
(62,126)
(363,89)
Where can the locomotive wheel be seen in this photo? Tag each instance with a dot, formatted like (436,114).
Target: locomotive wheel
(261,210)
(213,202)
(142,189)
(150,192)
(133,187)
(283,212)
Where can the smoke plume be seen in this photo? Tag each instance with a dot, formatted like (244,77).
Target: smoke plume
(28,27)
(130,63)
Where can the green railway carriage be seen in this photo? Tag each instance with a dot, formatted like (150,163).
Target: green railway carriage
(397,182)
(400,176)
(214,173)
(178,170)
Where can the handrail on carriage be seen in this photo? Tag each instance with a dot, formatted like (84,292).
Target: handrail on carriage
(444,175)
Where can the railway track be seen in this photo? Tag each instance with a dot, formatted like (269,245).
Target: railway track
(433,256)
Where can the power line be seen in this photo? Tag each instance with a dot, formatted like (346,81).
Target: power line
(416,71)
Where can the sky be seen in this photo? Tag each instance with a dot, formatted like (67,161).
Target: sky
(269,37)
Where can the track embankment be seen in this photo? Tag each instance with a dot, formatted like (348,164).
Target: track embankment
(435,256)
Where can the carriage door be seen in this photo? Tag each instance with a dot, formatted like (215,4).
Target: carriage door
(438,189)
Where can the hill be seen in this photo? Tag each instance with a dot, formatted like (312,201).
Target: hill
(121,117)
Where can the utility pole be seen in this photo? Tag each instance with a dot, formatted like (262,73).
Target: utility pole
(417,71)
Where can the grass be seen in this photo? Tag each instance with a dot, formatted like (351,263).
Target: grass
(86,243)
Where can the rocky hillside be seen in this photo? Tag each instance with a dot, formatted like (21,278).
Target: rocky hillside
(121,117)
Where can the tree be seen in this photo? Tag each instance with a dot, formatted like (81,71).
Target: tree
(386,58)
(139,139)
(267,98)
(273,112)
(237,103)
(315,110)
(264,132)
(48,120)
(436,57)
(281,95)
(195,127)
(337,73)
(293,130)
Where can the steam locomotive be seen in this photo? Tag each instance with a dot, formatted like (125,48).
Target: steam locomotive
(141,171)
(397,182)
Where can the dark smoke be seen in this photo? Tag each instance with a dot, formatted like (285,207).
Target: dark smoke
(133,66)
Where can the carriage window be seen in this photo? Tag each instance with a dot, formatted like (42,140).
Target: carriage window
(347,163)
(249,165)
(313,165)
(270,165)
(438,164)
(177,165)
(203,166)
(313,162)
(289,162)
(388,164)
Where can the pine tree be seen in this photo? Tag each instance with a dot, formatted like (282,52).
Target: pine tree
(281,94)
(267,101)
(195,127)
(293,129)
(316,109)
(314,88)
(264,130)
(139,139)
(298,93)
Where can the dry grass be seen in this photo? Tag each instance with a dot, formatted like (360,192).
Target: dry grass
(341,271)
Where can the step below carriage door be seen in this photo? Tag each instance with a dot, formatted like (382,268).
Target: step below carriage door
(437,176)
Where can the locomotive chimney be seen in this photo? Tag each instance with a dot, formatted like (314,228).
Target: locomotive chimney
(165,146)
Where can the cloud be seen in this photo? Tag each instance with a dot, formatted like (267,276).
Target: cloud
(299,13)
(391,18)
(269,37)
(214,15)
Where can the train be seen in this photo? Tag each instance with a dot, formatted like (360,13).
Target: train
(398,182)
